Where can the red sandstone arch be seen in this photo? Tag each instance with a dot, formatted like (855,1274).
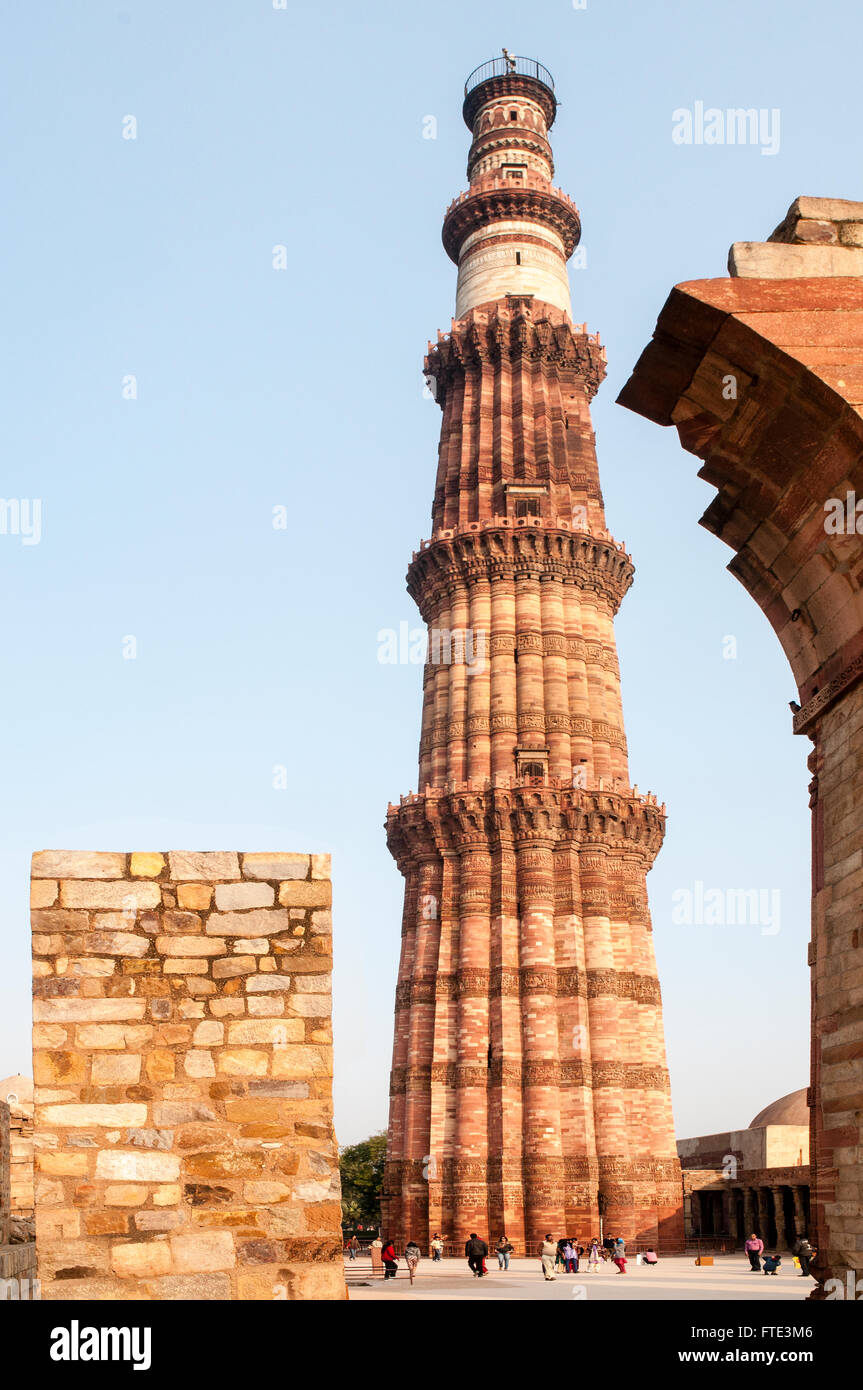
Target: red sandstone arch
(791,438)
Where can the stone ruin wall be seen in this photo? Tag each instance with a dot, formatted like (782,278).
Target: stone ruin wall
(18,1260)
(182,1053)
(5,1212)
(21,1198)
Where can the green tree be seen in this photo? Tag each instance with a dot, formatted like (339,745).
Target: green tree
(362,1170)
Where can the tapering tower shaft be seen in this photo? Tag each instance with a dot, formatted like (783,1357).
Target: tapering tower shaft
(529,1087)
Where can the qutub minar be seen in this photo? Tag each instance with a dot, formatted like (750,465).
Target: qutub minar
(529,1084)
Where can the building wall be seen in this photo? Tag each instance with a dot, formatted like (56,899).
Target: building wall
(183,1059)
(4,1173)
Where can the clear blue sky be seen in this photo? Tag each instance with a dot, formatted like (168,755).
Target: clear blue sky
(257,388)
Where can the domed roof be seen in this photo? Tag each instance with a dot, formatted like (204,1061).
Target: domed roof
(787,1110)
(19,1086)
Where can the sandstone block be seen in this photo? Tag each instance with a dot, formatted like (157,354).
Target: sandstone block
(210,866)
(121,1166)
(317,893)
(208,1034)
(43,892)
(147,865)
(198,1252)
(321,866)
(308,1005)
(258,922)
(234,965)
(52,863)
(301,1062)
(265,1006)
(313,984)
(87,1010)
(278,1032)
(266,984)
(124,1195)
(141,1259)
(275,866)
(199,1063)
(59,1066)
(123,895)
(195,896)
(164,1220)
(110,1070)
(238,1061)
(80,1116)
(184,965)
(239,896)
(190,945)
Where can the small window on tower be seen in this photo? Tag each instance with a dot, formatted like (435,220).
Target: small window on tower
(513,115)
(533,773)
(527,506)
(518,258)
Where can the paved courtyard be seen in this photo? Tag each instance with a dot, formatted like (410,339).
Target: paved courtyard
(677,1276)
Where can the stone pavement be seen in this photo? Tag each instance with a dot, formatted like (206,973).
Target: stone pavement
(675,1277)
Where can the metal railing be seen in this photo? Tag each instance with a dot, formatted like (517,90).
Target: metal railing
(499,67)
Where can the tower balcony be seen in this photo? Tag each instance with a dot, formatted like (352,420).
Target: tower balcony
(509,76)
(502,67)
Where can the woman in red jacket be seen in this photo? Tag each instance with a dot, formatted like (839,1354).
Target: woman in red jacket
(391,1264)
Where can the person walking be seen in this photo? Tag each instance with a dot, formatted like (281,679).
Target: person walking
(436,1248)
(569,1257)
(754,1247)
(804,1252)
(390,1259)
(547,1255)
(504,1250)
(476,1251)
(593,1256)
(353,1247)
(412,1257)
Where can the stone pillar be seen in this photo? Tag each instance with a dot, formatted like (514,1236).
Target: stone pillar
(182,1055)
(799,1213)
(749,1212)
(779,1217)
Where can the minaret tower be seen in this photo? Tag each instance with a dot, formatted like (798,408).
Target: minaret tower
(529,1086)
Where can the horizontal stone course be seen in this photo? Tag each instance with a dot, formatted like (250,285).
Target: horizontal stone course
(182,1056)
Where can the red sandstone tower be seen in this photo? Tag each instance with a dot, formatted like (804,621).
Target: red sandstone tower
(529,1086)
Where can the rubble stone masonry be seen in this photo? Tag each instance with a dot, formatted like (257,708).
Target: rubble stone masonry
(182,1055)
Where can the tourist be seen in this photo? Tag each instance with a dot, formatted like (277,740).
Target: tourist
(375,1249)
(412,1257)
(436,1248)
(547,1255)
(619,1247)
(772,1263)
(353,1247)
(476,1251)
(559,1258)
(650,1257)
(578,1251)
(753,1247)
(593,1256)
(569,1257)
(504,1250)
(390,1259)
(619,1256)
(804,1252)
(608,1247)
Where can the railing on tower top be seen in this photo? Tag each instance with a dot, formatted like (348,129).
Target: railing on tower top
(499,67)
